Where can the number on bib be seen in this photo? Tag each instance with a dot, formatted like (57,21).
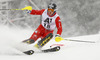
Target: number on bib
(47,21)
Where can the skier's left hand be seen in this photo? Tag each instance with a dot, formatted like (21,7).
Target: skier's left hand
(58,38)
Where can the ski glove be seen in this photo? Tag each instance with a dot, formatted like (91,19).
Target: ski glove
(58,38)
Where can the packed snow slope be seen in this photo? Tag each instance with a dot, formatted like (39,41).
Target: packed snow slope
(10,40)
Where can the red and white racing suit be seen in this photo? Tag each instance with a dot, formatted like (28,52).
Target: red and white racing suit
(48,24)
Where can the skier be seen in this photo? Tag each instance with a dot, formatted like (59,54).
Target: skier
(50,20)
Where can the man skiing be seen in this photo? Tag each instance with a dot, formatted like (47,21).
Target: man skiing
(50,20)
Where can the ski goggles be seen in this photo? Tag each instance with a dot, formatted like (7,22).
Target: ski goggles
(51,10)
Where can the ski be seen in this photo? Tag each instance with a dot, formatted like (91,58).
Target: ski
(57,48)
(30,52)
(54,49)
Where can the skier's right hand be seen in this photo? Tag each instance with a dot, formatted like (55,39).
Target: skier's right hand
(28,11)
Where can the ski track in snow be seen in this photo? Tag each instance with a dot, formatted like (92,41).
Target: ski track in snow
(11,39)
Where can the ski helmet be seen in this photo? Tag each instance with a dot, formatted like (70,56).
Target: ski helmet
(52,6)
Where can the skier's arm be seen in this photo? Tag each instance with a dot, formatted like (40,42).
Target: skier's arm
(37,12)
(58,25)
(59,28)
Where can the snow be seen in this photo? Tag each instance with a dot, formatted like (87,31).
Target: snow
(11,39)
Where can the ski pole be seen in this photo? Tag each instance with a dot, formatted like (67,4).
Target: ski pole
(26,8)
(79,41)
(5,9)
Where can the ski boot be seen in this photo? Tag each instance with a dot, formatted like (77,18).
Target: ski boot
(43,41)
(28,41)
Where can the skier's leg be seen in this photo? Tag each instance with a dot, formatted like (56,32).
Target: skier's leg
(43,41)
(34,37)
